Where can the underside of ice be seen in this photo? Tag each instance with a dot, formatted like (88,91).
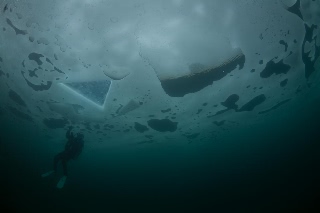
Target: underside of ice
(171,68)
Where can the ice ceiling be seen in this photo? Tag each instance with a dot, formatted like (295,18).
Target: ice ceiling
(149,71)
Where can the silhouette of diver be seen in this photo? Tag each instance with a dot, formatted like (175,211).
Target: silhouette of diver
(72,150)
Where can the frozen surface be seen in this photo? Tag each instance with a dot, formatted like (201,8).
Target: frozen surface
(95,91)
(179,68)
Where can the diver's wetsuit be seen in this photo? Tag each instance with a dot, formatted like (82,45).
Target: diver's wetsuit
(69,152)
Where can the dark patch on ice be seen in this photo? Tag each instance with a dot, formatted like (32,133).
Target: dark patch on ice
(309,37)
(140,128)
(261,62)
(1,73)
(284,83)
(274,68)
(22,63)
(1,59)
(130,106)
(198,112)
(17,98)
(48,60)
(178,87)
(54,123)
(261,36)
(219,123)
(36,57)
(40,87)
(20,114)
(18,31)
(253,103)
(58,70)
(230,102)
(31,38)
(32,73)
(5,8)
(285,45)
(219,113)
(119,108)
(164,125)
(295,9)
(275,107)
(192,136)
(166,110)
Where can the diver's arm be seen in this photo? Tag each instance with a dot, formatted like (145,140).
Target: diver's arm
(69,134)
(67,146)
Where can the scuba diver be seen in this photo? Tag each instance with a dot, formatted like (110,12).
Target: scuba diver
(72,150)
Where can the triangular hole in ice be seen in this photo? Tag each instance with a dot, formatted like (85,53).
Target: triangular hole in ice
(95,91)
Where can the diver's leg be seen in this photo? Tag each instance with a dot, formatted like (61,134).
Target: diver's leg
(62,180)
(64,165)
(56,160)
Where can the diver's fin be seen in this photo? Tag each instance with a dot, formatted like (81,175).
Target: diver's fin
(47,174)
(61,182)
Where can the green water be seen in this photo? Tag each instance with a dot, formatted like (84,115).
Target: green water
(269,167)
